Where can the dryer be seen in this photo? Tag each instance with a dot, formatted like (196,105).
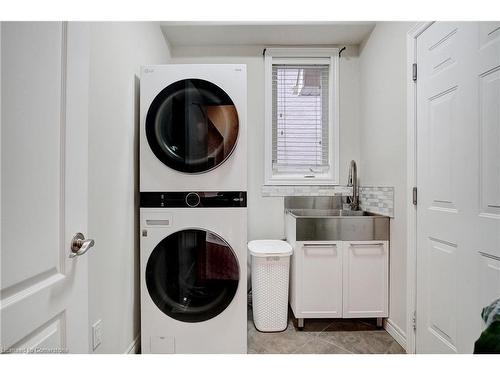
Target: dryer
(193,270)
(193,131)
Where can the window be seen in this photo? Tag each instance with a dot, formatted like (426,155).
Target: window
(301,116)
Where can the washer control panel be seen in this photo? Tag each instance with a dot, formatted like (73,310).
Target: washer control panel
(194,199)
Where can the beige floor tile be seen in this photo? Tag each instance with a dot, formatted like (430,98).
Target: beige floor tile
(319,346)
(282,342)
(395,348)
(343,325)
(313,325)
(323,336)
(363,342)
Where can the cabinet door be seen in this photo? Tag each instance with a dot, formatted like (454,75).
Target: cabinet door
(321,280)
(366,279)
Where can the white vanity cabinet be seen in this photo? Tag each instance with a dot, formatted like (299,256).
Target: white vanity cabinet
(340,261)
(365,269)
(340,279)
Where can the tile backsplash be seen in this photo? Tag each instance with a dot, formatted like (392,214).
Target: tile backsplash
(306,191)
(376,199)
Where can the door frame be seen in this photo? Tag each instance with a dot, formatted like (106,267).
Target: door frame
(411,178)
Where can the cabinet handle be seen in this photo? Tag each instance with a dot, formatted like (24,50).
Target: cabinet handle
(366,244)
(319,245)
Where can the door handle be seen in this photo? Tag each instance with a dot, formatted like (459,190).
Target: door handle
(80,245)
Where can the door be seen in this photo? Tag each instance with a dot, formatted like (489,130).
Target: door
(487,215)
(366,279)
(192,126)
(192,275)
(44,100)
(321,279)
(458,174)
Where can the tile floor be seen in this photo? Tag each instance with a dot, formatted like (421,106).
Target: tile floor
(323,336)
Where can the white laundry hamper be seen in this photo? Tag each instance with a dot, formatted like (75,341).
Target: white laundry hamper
(270,275)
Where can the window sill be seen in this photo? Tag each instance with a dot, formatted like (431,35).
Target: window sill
(293,180)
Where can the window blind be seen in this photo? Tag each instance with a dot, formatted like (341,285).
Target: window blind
(300,118)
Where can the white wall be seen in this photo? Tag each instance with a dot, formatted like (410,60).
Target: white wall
(117,51)
(265,214)
(383,141)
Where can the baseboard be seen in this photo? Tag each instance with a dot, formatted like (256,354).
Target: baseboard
(134,346)
(396,332)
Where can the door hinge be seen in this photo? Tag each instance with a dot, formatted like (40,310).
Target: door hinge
(414,195)
(414,72)
(414,321)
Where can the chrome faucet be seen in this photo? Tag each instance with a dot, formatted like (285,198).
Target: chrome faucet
(353,181)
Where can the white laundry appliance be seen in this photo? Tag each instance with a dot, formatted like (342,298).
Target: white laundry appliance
(193,271)
(193,131)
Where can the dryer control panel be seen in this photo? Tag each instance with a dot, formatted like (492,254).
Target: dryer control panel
(192,199)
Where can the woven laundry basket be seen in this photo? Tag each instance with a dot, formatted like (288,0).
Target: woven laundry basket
(270,275)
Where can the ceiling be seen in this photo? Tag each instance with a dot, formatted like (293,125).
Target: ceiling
(184,34)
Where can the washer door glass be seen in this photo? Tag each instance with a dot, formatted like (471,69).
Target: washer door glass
(192,275)
(192,126)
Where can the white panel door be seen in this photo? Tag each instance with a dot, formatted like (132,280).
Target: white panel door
(44,104)
(458,176)
(366,279)
(486,215)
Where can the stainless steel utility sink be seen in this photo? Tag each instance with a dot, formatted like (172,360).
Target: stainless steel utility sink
(337,225)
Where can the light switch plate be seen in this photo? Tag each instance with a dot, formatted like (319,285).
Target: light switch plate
(96,334)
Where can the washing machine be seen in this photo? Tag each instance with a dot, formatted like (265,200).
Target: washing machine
(193,270)
(193,131)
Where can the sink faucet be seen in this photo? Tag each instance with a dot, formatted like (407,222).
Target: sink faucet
(353,181)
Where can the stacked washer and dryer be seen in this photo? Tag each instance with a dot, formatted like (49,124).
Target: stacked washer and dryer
(193,183)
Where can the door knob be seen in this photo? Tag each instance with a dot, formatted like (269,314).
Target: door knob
(79,245)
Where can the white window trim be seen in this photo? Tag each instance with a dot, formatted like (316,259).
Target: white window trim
(301,56)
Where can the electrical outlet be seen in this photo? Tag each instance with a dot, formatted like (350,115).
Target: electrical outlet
(96,334)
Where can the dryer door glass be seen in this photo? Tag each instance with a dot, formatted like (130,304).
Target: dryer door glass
(192,126)
(192,275)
